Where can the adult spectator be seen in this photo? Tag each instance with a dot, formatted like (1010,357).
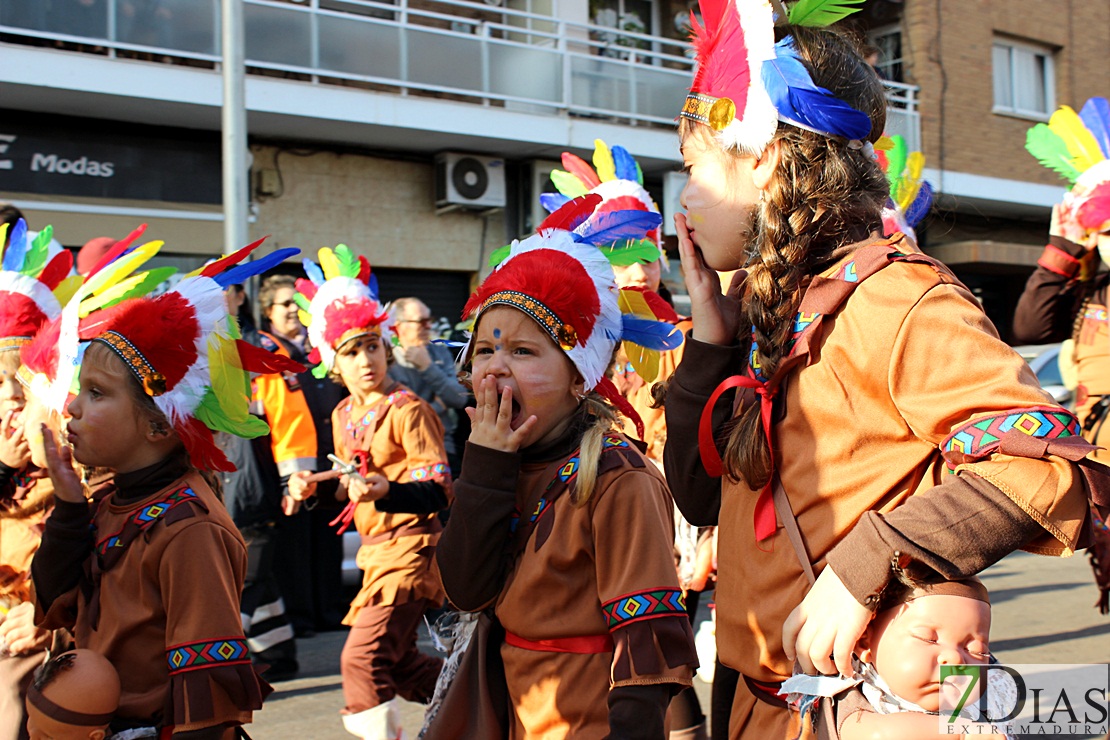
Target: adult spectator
(309,558)
(427,369)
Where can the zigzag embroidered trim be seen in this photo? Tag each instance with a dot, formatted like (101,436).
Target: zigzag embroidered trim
(147,516)
(153,382)
(564,334)
(353,427)
(438,470)
(642,605)
(194,655)
(1095,313)
(982,437)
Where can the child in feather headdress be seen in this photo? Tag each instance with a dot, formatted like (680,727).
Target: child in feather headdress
(847,452)
(397,480)
(150,574)
(561,525)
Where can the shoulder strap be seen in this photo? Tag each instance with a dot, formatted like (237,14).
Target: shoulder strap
(790,524)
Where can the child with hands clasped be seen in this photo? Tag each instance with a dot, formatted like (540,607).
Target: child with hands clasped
(149,574)
(560,524)
(394,440)
(847,455)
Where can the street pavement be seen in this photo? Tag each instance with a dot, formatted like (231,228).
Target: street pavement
(1043,612)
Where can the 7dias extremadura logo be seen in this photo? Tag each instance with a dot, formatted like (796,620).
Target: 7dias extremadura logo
(1049,700)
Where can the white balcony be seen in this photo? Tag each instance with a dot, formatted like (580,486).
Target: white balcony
(469,51)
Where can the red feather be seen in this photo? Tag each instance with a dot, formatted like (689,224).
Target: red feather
(41,355)
(577,166)
(232,259)
(57,269)
(307,288)
(201,446)
(363,269)
(257,360)
(1095,210)
(553,278)
(722,54)
(610,393)
(19,315)
(662,310)
(572,214)
(119,248)
(342,317)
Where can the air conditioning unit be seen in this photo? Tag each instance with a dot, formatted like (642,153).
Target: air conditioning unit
(673,184)
(469,181)
(539,183)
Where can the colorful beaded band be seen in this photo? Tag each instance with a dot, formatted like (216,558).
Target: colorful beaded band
(13,342)
(714,112)
(153,382)
(562,333)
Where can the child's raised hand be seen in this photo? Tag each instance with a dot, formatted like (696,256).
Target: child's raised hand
(491,420)
(716,317)
(300,488)
(15,452)
(1064,224)
(374,487)
(59,463)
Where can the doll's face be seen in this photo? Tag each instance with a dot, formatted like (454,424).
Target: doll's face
(720,199)
(909,643)
(11,391)
(511,346)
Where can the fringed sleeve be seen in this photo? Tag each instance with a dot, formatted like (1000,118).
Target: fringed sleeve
(638,586)
(212,681)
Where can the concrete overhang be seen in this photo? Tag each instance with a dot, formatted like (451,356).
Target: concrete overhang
(992,255)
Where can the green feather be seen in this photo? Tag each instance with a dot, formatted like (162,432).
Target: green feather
(896,159)
(212,414)
(35,259)
(641,251)
(1051,151)
(819,13)
(302,302)
(348,262)
(568,184)
(639,174)
(320,372)
(499,255)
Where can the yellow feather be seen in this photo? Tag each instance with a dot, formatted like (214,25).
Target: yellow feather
(1081,143)
(884,144)
(328,263)
(633,302)
(68,288)
(644,361)
(305,317)
(108,293)
(603,161)
(119,269)
(3,237)
(910,183)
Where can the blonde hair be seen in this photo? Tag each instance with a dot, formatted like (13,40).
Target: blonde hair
(604,421)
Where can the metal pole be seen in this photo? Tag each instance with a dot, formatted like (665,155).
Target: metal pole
(234,126)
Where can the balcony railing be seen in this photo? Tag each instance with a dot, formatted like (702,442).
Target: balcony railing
(492,55)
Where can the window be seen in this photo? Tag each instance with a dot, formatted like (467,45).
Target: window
(1024,79)
(886,44)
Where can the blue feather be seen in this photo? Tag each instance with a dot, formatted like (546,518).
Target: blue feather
(648,333)
(799,100)
(240,273)
(617,226)
(624,164)
(553,201)
(315,274)
(1096,117)
(17,247)
(372,284)
(920,205)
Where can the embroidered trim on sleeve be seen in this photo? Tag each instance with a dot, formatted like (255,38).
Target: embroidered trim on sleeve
(650,604)
(981,437)
(219,652)
(427,472)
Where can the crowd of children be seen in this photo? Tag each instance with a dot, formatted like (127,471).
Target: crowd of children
(855,488)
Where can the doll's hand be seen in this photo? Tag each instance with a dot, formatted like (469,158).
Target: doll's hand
(828,621)
(299,487)
(19,633)
(1064,224)
(59,463)
(716,317)
(14,450)
(491,420)
(375,487)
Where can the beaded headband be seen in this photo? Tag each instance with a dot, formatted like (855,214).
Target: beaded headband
(562,333)
(152,381)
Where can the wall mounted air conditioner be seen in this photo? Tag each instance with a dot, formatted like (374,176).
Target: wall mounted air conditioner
(673,184)
(469,181)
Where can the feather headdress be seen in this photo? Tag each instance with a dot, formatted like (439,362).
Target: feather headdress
(910,196)
(338,303)
(186,351)
(563,280)
(1076,146)
(746,83)
(33,288)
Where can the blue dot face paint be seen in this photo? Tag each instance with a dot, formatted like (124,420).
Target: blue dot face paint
(496,333)
(497,347)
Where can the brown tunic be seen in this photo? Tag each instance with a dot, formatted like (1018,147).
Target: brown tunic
(895,373)
(163,607)
(21,522)
(591,571)
(402,439)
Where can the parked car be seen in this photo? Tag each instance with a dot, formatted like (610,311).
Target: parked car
(1044,359)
